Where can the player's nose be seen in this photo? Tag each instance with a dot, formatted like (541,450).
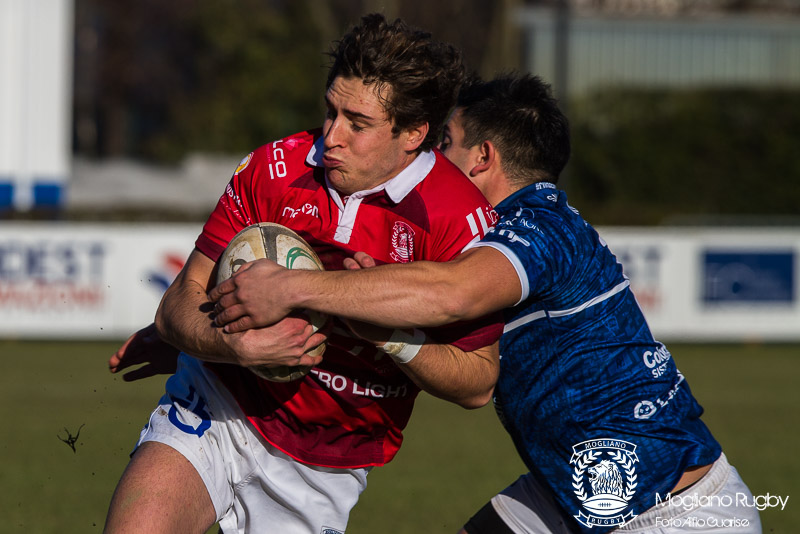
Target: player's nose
(333,133)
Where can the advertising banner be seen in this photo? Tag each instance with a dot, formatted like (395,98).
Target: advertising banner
(86,281)
(96,281)
(720,284)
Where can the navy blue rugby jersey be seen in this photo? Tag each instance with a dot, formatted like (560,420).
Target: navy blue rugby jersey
(595,405)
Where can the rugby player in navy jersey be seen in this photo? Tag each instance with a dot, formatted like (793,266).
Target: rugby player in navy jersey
(595,405)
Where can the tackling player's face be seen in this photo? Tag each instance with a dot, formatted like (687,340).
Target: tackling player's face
(452,145)
(361,152)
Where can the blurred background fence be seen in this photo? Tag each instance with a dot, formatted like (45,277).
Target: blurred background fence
(104,281)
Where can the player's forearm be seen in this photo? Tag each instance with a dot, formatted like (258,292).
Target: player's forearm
(417,294)
(183,320)
(465,378)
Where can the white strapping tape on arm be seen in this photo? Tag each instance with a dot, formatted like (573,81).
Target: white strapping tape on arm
(402,346)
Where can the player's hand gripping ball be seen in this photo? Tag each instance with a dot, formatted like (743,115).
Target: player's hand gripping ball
(286,248)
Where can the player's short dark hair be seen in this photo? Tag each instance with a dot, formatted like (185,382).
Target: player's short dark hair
(423,75)
(519,115)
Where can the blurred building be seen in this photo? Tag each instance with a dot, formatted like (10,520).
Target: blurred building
(585,44)
(576,45)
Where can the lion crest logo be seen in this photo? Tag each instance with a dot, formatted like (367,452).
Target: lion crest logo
(609,467)
(605,478)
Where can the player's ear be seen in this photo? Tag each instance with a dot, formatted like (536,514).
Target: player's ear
(415,136)
(486,157)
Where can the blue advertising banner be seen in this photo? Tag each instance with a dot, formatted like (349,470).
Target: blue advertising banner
(748,276)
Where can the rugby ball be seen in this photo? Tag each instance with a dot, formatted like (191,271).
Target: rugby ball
(283,246)
(605,504)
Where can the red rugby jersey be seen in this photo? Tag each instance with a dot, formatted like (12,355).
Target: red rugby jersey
(350,410)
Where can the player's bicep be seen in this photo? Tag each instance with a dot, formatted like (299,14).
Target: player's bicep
(483,372)
(198,270)
(489,281)
(184,305)
(489,353)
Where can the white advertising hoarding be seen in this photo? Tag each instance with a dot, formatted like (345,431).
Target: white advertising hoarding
(701,284)
(104,281)
(86,281)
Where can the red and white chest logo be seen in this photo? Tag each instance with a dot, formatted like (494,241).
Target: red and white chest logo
(402,243)
(480,222)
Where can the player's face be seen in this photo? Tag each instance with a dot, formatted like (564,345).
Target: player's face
(452,145)
(361,152)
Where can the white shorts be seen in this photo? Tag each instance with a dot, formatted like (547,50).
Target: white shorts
(254,486)
(719,503)
(713,505)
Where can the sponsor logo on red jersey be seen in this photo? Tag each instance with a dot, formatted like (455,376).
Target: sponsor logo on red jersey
(243,164)
(306,209)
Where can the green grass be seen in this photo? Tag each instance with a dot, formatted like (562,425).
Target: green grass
(752,402)
(452,462)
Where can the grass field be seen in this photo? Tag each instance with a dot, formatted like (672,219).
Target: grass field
(452,462)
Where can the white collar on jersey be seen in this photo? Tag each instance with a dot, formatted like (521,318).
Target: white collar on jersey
(396,188)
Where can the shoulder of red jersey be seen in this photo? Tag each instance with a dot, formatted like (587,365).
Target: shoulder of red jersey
(262,177)
(449,193)
(271,168)
(449,184)
(292,149)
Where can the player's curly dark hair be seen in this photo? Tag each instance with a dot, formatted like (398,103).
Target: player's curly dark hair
(520,116)
(422,75)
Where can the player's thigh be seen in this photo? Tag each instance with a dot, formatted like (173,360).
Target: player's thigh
(160,492)
(525,507)
(486,521)
(719,503)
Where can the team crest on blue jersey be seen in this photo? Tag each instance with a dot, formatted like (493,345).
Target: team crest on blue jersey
(604,480)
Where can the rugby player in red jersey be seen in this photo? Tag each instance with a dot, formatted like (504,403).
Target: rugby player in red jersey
(257,456)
